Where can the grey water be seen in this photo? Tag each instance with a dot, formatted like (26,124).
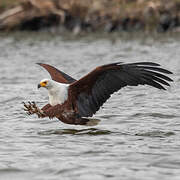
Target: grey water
(138,137)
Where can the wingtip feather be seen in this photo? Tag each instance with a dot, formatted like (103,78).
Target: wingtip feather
(39,64)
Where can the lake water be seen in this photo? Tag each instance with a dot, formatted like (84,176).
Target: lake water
(138,137)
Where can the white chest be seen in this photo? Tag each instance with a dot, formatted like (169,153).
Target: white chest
(58,94)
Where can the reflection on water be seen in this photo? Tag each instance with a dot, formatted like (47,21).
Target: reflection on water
(138,136)
(89,131)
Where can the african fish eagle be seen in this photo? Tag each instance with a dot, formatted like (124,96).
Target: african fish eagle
(74,101)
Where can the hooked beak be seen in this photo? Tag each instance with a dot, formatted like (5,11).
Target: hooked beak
(39,85)
(42,84)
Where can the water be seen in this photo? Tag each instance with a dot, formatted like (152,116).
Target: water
(139,134)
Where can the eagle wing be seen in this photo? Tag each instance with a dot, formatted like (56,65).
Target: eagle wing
(57,75)
(89,93)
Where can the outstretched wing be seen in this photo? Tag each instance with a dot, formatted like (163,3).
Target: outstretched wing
(89,93)
(57,75)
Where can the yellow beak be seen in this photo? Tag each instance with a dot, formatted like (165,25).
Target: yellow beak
(42,84)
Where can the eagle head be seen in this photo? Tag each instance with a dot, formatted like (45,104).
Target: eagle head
(46,83)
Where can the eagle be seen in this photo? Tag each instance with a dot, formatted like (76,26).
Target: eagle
(76,101)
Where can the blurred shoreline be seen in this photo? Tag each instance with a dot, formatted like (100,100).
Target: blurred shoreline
(90,15)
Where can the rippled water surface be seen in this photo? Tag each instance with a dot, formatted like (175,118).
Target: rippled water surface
(139,134)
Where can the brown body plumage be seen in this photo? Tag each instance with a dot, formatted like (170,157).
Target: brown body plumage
(86,95)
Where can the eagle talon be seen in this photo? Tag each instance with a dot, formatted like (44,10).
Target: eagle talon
(30,104)
(31,108)
(25,105)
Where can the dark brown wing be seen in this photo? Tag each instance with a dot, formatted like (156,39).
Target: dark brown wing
(91,91)
(57,75)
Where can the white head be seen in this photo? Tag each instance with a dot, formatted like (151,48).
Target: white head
(46,83)
(58,92)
